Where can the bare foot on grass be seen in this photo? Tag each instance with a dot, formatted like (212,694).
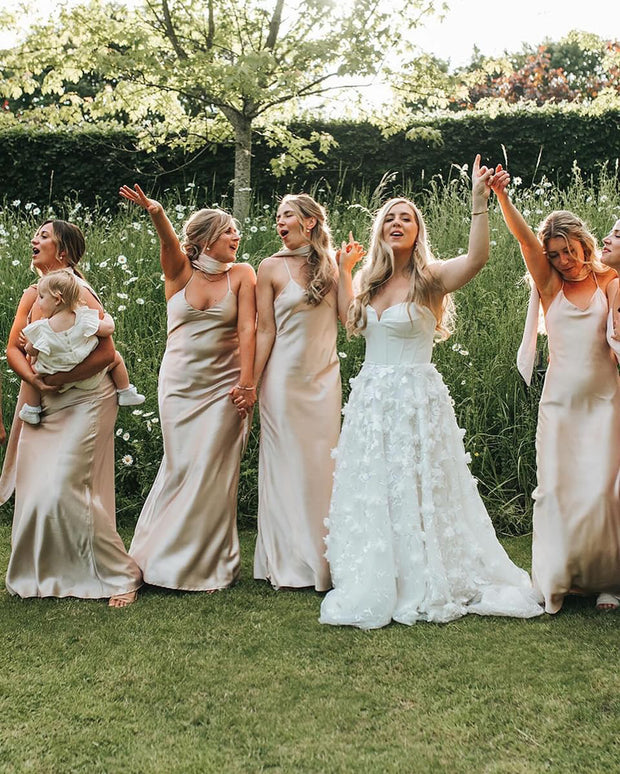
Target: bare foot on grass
(123,600)
(607,602)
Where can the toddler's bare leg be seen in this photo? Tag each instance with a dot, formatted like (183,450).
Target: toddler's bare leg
(118,372)
(127,393)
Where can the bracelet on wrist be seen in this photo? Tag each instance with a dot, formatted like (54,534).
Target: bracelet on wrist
(240,387)
(480,212)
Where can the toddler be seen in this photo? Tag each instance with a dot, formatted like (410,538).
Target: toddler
(67,333)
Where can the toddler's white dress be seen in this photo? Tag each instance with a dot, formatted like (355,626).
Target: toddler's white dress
(409,536)
(63,350)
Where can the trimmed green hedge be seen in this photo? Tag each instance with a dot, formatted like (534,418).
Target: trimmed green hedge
(45,166)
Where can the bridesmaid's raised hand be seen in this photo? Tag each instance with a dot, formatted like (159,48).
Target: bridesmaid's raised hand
(349,254)
(137,196)
(500,181)
(481,180)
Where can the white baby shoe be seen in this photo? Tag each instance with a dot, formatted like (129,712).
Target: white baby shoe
(30,414)
(130,396)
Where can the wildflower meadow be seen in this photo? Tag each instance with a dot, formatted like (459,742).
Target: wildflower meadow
(246,680)
(494,407)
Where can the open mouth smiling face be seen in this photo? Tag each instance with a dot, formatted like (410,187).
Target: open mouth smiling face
(44,250)
(400,227)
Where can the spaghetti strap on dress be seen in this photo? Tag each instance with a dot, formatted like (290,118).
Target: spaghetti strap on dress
(576,540)
(186,536)
(300,402)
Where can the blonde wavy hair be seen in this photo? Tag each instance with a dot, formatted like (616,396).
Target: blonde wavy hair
(321,265)
(202,229)
(566,225)
(61,284)
(378,267)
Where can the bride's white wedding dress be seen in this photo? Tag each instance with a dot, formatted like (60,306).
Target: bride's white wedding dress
(409,536)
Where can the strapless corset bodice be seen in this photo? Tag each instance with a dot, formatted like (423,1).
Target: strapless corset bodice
(403,335)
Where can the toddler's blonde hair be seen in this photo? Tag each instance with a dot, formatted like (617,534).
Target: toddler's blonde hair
(62,284)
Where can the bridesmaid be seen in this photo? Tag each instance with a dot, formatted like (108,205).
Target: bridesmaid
(186,536)
(300,397)
(576,520)
(64,541)
(611,257)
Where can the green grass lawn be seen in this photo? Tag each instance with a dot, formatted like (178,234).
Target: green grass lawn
(246,680)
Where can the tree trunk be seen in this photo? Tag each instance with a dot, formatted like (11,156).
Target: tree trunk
(243,163)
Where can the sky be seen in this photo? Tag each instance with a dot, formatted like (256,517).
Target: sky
(496,26)
(492,25)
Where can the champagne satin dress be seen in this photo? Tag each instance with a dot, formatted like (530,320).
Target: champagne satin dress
(186,536)
(300,403)
(576,541)
(64,541)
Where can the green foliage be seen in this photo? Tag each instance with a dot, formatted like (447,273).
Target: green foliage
(578,68)
(492,403)
(47,165)
(206,71)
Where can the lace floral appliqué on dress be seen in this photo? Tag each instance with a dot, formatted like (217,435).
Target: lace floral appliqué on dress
(409,537)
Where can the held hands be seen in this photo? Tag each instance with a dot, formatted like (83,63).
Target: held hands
(349,254)
(137,196)
(243,399)
(481,184)
(500,181)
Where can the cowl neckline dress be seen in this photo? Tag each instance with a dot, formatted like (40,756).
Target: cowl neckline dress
(300,404)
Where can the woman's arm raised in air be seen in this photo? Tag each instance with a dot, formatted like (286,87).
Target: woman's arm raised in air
(545,277)
(456,272)
(174,263)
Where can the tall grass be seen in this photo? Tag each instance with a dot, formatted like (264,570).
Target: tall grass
(492,404)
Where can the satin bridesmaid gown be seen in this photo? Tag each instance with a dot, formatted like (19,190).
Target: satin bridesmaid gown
(576,541)
(64,541)
(186,536)
(300,403)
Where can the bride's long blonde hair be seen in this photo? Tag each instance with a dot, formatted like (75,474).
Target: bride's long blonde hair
(321,265)
(378,267)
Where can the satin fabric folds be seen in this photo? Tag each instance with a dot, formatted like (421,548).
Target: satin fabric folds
(186,536)
(300,403)
(64,541)
(576,541)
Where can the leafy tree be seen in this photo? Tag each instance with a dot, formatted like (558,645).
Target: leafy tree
(577,68)
(210,70)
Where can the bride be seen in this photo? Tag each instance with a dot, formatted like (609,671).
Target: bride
(409,537)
